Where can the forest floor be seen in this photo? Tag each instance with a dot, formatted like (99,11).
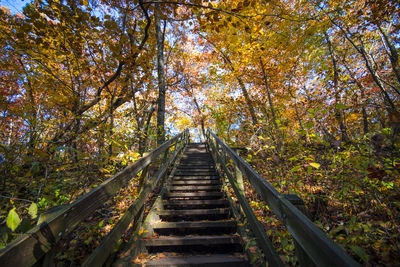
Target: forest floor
(351,194)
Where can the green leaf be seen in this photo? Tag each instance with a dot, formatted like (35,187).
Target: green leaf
(295,169)
(315,165)
(13,220)
(33,210)
(340,106)
(386,131)
(309,125)
(360,252)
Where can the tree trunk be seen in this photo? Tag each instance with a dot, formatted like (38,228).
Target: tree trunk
(297,113)
(338,112)
(144,133)
(328,137)
(196,103)
(111,128)
(363,104)
(161,76)
(392,53)
(64,135)
(32,110)
(271,106)
(240,81)
(248,100)
(390,107)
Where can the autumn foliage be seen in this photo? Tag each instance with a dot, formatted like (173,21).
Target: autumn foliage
(308,89)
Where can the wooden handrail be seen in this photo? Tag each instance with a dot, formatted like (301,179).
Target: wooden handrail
(33,245)
(316,244)
(262,239)
(102,251)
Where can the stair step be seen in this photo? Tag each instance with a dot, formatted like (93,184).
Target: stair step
(196,169)
(196,177)
(177,217)
(199,154)
(196,162)
(195,173)
(215,260)
(197,195)
(197,182)
(193,212)
(192,240)
(207,188)
(197,244)
(195,158)
(204,203)
(195,227)
(190,159)
(196,166)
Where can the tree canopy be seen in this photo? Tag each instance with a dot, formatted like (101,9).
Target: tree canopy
(309,88)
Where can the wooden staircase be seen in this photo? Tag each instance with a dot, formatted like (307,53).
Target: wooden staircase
(194,226)
(190,222)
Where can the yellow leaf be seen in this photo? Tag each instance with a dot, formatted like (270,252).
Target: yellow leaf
(315,165)
(142,231)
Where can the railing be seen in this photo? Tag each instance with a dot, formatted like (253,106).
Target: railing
(37,242)
(313,244)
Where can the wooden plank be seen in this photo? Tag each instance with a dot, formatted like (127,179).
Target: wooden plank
(215,260)
(195,202)
(195,224)
(321,249)
(197,182)
(194,194)
(29,248)
(194,188)
(262,239)
(194,212)
(195,178)
(197,166)
(205,240)
(102,251)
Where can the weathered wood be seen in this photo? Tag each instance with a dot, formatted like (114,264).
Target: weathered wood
(238,173)
(205,230)
(243,231)
(192,212)
(144,173)
(195,224)
(216,260)
(262,239)
(195,188)
(320,248)
(303,259)
(197,182)
(135,241)
(196,202)
(100,254)
(193,240)
(195,178)
(194,195)
(28,249)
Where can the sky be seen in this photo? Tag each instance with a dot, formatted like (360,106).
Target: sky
(14,5)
